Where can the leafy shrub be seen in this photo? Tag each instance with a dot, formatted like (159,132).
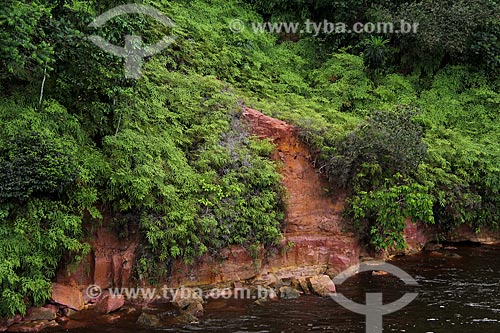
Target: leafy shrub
(381,214)
(388,143)
(375,54)
(33,164)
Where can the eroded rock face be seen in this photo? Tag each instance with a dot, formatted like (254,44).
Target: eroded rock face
(467,234)
(416,236)
(422,237)
(109,265)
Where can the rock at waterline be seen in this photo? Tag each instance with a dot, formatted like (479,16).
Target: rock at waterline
(40,314)
(33,326)
(67,296)
(289,293)
(194,309)
(433,247)
(150,320)
(322,285)
(304,286)
(187,319)
(108,303)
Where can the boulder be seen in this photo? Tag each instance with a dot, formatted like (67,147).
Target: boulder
(322,285)
(67,296)
(261,301)
(149,320)
(109,303)
(436,254)
(40,314)
(62,320)
(289,293)
(453,255)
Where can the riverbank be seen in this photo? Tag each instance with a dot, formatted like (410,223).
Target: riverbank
(318,243)
(453,294)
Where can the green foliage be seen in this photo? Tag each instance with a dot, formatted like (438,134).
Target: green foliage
(461,111)
(168,152)
(485,47)
(23,45)
(383,212)
(31,164)
(375,53)
(446,31)
(45,168)
(388,143)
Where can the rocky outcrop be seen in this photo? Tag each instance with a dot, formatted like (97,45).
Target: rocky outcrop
(467,234)
(111,262)
(315,241)
(420,237)
(315,238)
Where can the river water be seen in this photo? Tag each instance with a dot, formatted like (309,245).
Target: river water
(455,295)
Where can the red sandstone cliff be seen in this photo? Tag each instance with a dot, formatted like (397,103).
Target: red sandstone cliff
(313,225)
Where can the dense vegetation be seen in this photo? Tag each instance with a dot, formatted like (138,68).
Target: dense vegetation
(408,124)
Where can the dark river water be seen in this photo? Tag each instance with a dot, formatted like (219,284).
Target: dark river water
(455,295)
